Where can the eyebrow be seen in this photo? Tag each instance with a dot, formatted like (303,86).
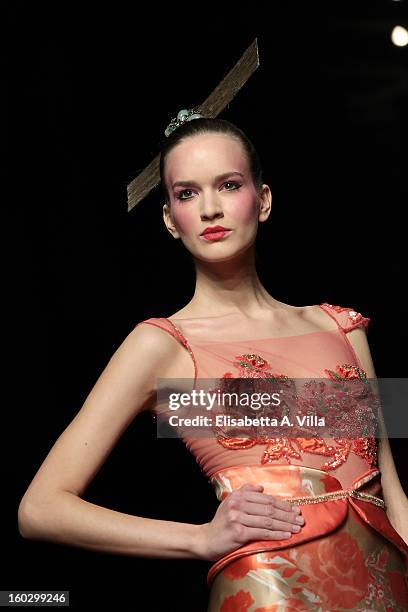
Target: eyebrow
(217,178)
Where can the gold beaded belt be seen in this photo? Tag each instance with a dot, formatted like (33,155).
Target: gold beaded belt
(342,494)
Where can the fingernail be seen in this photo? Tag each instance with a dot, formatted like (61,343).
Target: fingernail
(300,520)
(296,509)
(296,528)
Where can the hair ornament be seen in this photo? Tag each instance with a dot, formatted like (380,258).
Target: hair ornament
(183,116)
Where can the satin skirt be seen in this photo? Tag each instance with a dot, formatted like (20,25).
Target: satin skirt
(347,555)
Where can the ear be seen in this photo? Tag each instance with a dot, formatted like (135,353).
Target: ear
(265,202)
(168,220)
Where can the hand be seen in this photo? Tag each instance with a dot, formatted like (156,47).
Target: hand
(248,514)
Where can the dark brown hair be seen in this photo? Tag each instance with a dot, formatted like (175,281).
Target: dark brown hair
(205,126)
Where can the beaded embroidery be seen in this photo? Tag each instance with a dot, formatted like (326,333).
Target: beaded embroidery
(186,344)
(353,316)
(342,494)
(347,410)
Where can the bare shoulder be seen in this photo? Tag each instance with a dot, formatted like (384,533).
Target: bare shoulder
(319,318)
(152,338)
(151,344)
(357,337)
(161,349)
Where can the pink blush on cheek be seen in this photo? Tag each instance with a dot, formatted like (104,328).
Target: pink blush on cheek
(243,210)
(185,219)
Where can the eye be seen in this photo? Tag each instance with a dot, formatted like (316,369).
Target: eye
(237,185)
(179,194)
(234,183)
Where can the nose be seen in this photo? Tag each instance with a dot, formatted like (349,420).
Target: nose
(210,208)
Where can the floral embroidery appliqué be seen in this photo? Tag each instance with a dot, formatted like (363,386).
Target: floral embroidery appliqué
(347,408)
(353,316)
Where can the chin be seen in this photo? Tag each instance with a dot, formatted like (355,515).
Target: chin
(223,252)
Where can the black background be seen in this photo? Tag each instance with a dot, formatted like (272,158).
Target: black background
(92,88)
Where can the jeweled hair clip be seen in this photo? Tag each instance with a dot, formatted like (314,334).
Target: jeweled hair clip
(183,116)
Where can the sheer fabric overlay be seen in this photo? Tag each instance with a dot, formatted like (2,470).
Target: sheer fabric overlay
(347,556)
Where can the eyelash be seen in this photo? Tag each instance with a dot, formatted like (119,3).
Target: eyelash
(237,186)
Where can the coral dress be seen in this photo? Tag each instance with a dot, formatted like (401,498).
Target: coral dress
(347,556)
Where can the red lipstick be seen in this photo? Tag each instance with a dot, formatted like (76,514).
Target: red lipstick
(215,233)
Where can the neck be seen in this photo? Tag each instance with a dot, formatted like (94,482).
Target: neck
(227,287)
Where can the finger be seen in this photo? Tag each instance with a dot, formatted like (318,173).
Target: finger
(267,522)
(268,534)
(289,517)
(256,533)
(286,505)
(249,486)
(271,511)
(264,498)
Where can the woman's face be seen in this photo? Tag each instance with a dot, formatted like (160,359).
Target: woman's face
(209,184)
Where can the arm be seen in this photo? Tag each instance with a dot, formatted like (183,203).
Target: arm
(394,495)
(52,508)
